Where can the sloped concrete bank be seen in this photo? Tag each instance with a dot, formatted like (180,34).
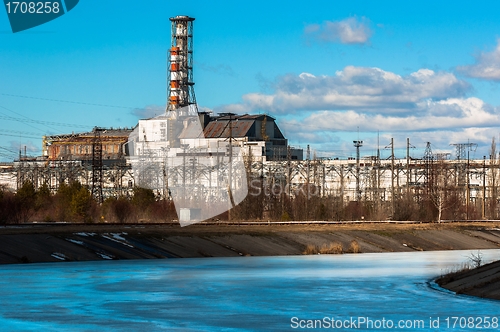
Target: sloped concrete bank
(80,242)
(483,281)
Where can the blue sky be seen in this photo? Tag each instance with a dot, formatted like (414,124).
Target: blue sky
(329,71)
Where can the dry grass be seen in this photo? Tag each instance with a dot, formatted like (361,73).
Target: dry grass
(311,249)
(354,247)
(451,274)
(332,248)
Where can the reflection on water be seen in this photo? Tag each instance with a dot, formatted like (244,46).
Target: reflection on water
(242,293)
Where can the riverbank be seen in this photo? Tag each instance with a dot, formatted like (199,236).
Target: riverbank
(81,242)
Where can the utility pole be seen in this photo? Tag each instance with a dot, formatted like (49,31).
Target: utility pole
(393,192)
(307,180)
(230,180)
(288,171)
(484,188)
(20,171)
(166,190)
(378,165)
(357,145)
(468,187)
(408,174)
(323,184)
(184,149)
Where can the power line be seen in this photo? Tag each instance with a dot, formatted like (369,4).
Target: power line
(64,101)
(9,153)
(45,123)
(1,147)
(24,116)
(23,136)
(9,156)
(5,108)
(19,132)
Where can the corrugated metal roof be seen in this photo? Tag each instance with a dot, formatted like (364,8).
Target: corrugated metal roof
(220,128)
(245,117)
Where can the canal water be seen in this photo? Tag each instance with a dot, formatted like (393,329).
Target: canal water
(382,291)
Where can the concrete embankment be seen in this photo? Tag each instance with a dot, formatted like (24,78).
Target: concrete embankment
(483,281)
(79,242)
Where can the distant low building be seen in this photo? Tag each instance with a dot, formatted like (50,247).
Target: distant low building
(79,146)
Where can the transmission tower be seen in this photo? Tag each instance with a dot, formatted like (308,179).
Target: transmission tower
(462,148)
(428,156)
(97,165)
(428,159)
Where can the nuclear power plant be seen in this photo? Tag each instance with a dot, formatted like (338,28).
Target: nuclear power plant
(208,160)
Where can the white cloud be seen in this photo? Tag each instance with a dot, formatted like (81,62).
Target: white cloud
(441,141)
(487,65)
(347,31)
(327,111)
(439,115)
(370,89)
(453,120)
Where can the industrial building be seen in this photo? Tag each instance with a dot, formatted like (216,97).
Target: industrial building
(259,134)
(80,146)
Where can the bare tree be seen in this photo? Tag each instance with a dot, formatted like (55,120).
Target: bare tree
(493,180)
(476,260)
(440,189)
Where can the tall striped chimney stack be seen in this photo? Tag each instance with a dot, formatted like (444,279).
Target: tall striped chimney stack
(181,99)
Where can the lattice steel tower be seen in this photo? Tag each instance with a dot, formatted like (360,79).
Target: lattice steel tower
(180,90)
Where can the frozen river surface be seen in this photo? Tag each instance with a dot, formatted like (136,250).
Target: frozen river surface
(363,292)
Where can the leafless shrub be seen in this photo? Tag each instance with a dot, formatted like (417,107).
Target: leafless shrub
(311,249)
(354,247)
(476,259)
(332,248)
